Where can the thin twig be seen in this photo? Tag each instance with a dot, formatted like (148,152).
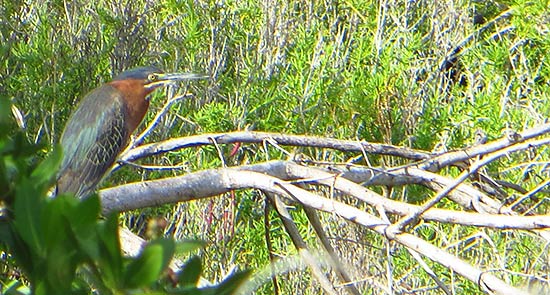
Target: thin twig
(219,150)
(531,193)
(160,114)
(429,271)
(156,167)
(338,266)
(267,227)
(300,244)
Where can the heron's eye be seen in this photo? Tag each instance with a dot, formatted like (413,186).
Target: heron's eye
(152,77)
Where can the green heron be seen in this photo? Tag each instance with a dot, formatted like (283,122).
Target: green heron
(100,127)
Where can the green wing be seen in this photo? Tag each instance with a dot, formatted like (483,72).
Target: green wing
(93,138)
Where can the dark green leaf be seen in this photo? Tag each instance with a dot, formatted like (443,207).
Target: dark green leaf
(83,221)
(40,288)
(28,219)
(54,225)
(184,247)
(44,175)
(232,283)
(87,211)
(147,268)
(61,268)
(190,272)
(6,236)
(110,260)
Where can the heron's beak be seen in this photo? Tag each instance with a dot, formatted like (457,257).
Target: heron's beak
(171,78)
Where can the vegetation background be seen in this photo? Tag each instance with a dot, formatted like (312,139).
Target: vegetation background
(421,74)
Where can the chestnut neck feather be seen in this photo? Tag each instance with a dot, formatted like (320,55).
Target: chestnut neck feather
(134,96)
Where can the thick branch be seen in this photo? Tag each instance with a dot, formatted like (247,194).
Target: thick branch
(216,181)
(209,183)
(235,179)
(464,195)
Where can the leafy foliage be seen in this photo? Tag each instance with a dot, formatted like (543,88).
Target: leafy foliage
(62,246)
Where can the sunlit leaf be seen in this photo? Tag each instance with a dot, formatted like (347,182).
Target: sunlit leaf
(186,246)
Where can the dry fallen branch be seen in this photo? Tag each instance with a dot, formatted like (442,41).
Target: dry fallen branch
(464,194)
(456,157)
(300,244)
(281,139)
(332,255)
(303,183)
(209,183)
(169,190)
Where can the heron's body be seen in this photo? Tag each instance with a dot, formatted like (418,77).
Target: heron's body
(100,128)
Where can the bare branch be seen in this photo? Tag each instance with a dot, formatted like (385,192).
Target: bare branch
(333,256)
(453,158)
(278,138)
(286,179)
(465,195)
(209,183)
(170,190)
(300,244)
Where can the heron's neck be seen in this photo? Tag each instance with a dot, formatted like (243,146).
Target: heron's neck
(134,97)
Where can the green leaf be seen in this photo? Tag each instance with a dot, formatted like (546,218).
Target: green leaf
(83,220)
(187,246)
(190,272)
(61,268)
(110,256)
(40,288)
(5,116)
(232,283)
(86,211)
(27,211)
(54,224)
(147,268)
(44,175)
(57,268)
(6,236)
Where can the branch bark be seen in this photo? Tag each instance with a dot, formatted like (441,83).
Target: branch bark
(221,180)
(287,179)
(281,139)
(209,183)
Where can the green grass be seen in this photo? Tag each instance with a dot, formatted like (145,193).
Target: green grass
(325,69)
